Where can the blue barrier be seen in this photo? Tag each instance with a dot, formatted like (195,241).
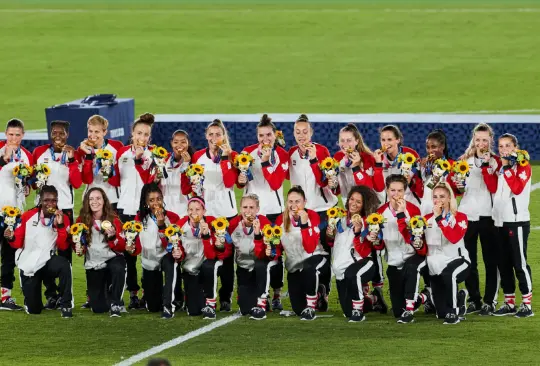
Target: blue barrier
(415,127)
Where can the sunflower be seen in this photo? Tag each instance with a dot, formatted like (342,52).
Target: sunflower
(277,231)
(195,169)
(443,164)
(243,159)
(279,134)
(159,151)
(375,219)
(16,170)
(11,212)
(17,211)
(45,169)
(462,167)
(524,162)
(268,231)
(407,158)
(107,154)
(332,212)
(127,226)
(327,163)
(75,229)
(342,212)
(221,223)
(414,221)
(169,231)
(137,226)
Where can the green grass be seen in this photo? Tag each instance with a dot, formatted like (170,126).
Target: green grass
(277,56)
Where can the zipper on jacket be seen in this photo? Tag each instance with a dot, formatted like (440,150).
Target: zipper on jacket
(322,194)
(230,199)
(514,206)
(278,199)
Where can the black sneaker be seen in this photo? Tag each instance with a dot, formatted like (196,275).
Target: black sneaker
(308,314)
(462,303)
(133,303)
(451,319)
(67,313)
(406,317)
(51,304)
(486,310)
(357,316)
(178,305)
(258,313)
(505,309)
(429,307)
(474,307)
(277,305)
(322,298)
(224,307)
(167,313)
(142,304)
(10,304)
(380,304)
(86,305)
(525,311)
(115,311)
(209,312)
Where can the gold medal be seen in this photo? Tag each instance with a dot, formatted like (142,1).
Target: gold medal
(51,210)
(106,225)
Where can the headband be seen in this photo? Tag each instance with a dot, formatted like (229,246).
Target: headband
(197,199)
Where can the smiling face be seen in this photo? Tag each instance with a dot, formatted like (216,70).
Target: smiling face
(58,137)
(154,200)
(95,199)
(49,202)
(96,134)
(356,203)
(295,202)
(249,208)
(395,190)
(179,143)
(390,142)
(214,135)
(195,211)
(141,134)
(347,141)
(266,136)
(506,146)
(14,136)
(433,147)
(482,141)
(302,133)
(441,196)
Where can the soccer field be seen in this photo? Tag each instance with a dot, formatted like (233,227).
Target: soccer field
(276,56)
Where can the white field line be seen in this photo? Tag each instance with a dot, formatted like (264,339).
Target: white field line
(322,10)
(176,341)
(535,186)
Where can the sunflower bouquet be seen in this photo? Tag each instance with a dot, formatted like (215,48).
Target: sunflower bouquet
(406,162)
(375,223)
(441,168)
(334,215)
(417,228)
(22,173)
(280,138)
(130,230)
(78,232)
(41,175)
(104,163)
(195,173)
(243,162)
(10,217)
(220,225)
(173,233)
(272,237)
(159,157)
(330,168)
(462,170)
(520,157)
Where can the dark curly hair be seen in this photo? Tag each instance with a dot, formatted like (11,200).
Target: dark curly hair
(369,198)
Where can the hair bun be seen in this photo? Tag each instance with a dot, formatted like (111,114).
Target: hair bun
(303,118)
(147,118)
(265,118)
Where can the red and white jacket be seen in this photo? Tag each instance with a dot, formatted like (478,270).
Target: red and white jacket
(219,180)
(64,177)
(89,166)
(348,247)
(268,179)
(398,250)
(10,195)
(100,250)
(36,240)
(444,239)
(131,175)
(480,186)
(301,242)
(249,246)
(197,247)
(151,242)
(174,184)
(307,174)
(511,201)
(364,176)
(415,190)
(427,201)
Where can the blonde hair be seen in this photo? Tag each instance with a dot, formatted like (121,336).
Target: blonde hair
(453,201)
(250,196)
(217,123)
(361,147)
(96,119)
(471,150)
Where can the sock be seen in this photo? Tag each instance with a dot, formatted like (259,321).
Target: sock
(358,305)
(372,298)
(133,293)
(311,301)
(422,298)
(365,289)
(6,293)
(409,305)
(378,284)
(261,302)
(211,303)
(527,299)
(510,299)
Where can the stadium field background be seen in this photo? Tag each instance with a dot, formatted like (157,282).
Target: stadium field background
(271,56)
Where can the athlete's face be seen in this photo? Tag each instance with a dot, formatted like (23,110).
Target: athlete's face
(390,142)
(295,202)
(14,136)
(356,203)
(249,208)
(506,146)
(141,134)
(154,200)
(433,147)
(302,133)
(266,136)
(96,201)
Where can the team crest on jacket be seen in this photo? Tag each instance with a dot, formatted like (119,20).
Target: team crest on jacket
(523,176)
(462,224)
(285,166)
